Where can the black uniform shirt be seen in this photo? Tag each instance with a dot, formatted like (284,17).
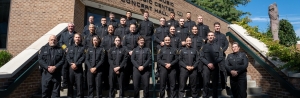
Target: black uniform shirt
(160,33)
(188,56)
(202,30)
(141,57)
(221,40)
(51,56)
(121,31)
(182,33)
(113,22)
(167,54)
(211,53)
(95,57)
(189,24)
(102,30)
(86,29)
(237,61)
(146,29)
(87,40)
(75,54)
(197,41)
(108,41)
(172,22)
(66,38)
(130,21)
(117,56)
(130,41)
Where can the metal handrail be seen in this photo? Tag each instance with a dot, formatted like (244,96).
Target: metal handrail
(284,83)
(153,71)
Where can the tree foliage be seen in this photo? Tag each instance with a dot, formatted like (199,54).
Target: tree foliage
(287,35)
(226,9)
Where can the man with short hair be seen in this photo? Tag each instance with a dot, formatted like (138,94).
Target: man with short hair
(189,23)
(122,30)
(129,19)
(146,29)
(172,21)
(202,28)
(112,20)
(102,30)
(182,32)
(51,59)
(86,27)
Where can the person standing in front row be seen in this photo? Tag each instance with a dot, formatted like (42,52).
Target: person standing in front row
(94,61)
(140,58)
(236,65)
(117,58)
(210,54)
(168,60)
(51,60)
(75,58)
(188,62)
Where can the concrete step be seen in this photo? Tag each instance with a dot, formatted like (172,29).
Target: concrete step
(254,90)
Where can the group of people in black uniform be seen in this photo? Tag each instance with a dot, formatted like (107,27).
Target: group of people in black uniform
(111,54)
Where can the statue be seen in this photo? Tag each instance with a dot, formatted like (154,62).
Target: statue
(274,20)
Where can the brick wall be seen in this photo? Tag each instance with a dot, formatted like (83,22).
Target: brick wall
(30,19)
(298,46)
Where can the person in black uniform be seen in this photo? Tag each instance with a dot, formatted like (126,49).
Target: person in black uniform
(182,32)
(210,54)
(102,30)
(66,40)
(130,20)
(94,61)
(222,41)
(188,62)
(122,30)
(86,27)
(175,40)
(51,60)
(141,57)
(160,33)
(107,42)
(117,57)
(75,57)
(189,23)
(87,39)
(197,41)
(167,60)
(202,28)
(129,41)
(146,29)
(172,21)
(236,65)
(112,20)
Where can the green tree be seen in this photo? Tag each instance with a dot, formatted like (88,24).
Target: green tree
(226,9)
(287,35)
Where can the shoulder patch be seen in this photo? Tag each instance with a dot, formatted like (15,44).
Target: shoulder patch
(158,51)
(179,51)
(40,52)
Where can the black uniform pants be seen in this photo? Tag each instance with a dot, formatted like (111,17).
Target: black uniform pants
(128,73)
(94,81)
(139,76)
(239,86)
(112,80)
(184,75)
(105,73)
(165,75)
(75,76)
(206,80)
(65,74)
(50,85)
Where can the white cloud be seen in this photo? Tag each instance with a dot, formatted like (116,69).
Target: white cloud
(295,23)
(260,19)
(297,31)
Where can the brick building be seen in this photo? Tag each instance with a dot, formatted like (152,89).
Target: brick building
(30,19)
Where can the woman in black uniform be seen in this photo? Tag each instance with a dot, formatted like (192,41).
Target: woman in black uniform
(117,58)
(140,59)
(94,61)
(236,65)
(168,60)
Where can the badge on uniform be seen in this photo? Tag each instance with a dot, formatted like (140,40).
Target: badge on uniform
(169,23)
(178,31)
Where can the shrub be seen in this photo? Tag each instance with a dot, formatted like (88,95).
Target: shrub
(5,56)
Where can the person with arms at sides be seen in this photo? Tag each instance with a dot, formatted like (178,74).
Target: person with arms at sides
(107,42)
(75,57)
(101,31)
(141,57)
(122,30)
(51,60)
(182,32)
(197,41)
(129,19)
(189,23)
(146,29)
(94,61)
(210,54)
(172,21)
(202,28)
(117,57)
(160,32)
(167,60)
(65,41)
(175,41)
(112,20)
(236,65)
(87,39)
(129,41)
(222,41)
(188,62)
(86,27)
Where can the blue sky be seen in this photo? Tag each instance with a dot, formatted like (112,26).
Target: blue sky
(287,9)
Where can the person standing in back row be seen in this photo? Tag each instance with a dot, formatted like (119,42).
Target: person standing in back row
(51,60)
(182,32)
(75,58)
(122,30)
(211,54)
(146,29)
(236,65)
(189,23)
(202,28)
(129,19)
(112,20)
(222,41)
(172,21)
(102,30)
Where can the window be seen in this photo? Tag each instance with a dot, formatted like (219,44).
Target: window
(4,16)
